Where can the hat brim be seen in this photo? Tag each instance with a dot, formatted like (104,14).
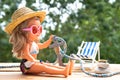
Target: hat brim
(11,26)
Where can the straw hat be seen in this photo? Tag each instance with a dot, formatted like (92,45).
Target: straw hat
(21,15)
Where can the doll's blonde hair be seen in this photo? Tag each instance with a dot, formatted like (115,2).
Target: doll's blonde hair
(18,39)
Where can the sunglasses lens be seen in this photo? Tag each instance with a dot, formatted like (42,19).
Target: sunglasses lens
(34,30)
(40,29)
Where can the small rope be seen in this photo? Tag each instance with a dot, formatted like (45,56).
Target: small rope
(11,66)
(98,75)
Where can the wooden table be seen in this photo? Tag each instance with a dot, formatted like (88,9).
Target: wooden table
(76,75)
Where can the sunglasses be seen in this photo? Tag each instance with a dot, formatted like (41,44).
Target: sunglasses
(34,29)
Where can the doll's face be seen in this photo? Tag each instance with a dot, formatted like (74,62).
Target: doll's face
(36,28)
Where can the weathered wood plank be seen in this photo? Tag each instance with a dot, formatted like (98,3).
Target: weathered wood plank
(76,75)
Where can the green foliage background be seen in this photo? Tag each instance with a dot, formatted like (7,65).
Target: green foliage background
(97,20)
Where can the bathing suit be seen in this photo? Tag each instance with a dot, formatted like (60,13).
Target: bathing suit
(25,64)
(23,68)
(34,48)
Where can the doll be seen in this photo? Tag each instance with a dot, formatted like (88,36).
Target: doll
(24,30)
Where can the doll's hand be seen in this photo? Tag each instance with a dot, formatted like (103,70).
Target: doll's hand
(51,37)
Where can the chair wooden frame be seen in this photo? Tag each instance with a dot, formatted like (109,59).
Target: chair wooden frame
(88,50)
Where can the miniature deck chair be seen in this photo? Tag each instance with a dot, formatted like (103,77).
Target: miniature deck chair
(88,51)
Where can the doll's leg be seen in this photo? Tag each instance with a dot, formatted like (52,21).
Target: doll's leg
(60,67)
(51,65)
(38,68)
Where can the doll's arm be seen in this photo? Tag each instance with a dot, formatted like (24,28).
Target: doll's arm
(46,43)
(26,54)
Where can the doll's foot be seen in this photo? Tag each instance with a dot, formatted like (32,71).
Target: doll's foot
(66,71)
(71,64)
